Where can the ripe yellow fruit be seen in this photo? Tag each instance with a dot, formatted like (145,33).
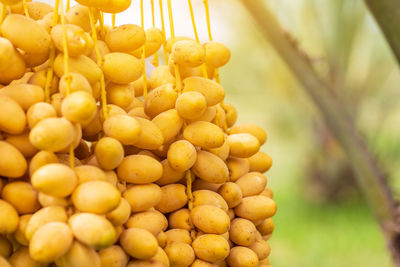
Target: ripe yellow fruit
(242,232)
(12,64)
(252,129)
(93,230)
(180,254)
(79,15)
(210,219)
(243,145)
(160,99)
(261,248)
(191,105)
(252,183)
(159,76)
(150,136)
(52,134)
(256,208)
(201,263)
(142,197)
(212,91)
(237,167)
(12,117)
(12,162)
(208,197)
(178,235)
(121,95)
(232,194)
(9,219)
(204,134)
(242,256)
(210,168)
(154,40)
(217,54)
(26,34)
(87,173)
(169,175)
(180,220)
(22,258)
(38,112)
(181,155)
(47,200)
(120,214)
(44,216)
(260,162)
(121,68)
(79,255)
(5,246)
(113,256)
(79,107)
(22,196)
(55,179)
(152,221)
(50,242)
(77,82)
(37,10)
(25,95)
(173,197)
(109,153)
(80,64)
(77,40)
(139,169)
(40,159)
(231,114)
(96,197)
(211,247)
(124,128)
(139,243)
(19,234)
(188,53)
(170,123)
(266,227)
(125,38)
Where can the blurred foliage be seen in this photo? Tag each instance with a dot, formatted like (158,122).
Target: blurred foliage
(348,50)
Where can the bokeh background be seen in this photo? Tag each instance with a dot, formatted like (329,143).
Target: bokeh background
(322,219)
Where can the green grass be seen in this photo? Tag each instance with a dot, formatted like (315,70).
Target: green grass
(308,234)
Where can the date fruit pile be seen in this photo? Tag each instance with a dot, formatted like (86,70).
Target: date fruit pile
(102,165)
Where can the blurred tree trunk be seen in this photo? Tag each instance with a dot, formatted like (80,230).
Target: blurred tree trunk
(387,14)
(369,175)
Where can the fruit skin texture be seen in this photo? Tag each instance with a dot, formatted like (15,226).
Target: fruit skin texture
(180,254)
(44,216)
(92,230)
(12,117)
(125,38)
(242,232)
(55,179)
(210,168)
(50,241)
(22,196)
(123,128)
(143,197)
(211,247)
(12,162)
(242,256)
(79,255)
(96,196)
(52,134)
(121,68)
(139,169)
(139,243)
(188,53)
(204,134)
(256,208)
(210,219)
(181,155)
(9,219)
(26,34)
